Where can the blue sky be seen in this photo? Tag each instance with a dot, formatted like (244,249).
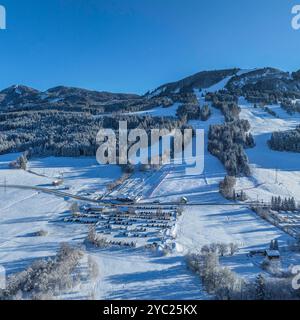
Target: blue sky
(136,45)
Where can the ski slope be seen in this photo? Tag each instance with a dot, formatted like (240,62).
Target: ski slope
(276,173)
(204,225)
(138,273)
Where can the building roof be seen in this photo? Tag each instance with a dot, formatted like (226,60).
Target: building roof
(273,253)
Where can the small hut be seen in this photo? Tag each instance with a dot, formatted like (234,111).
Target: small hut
(272,255)
(57,183)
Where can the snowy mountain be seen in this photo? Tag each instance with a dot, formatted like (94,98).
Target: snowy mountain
(18,97)
(204,79)
(241,214)
(235,81)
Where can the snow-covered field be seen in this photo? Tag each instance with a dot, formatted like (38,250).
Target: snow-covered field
(124,273)
(136,273)
(159,111)
(82,176)
(219,223)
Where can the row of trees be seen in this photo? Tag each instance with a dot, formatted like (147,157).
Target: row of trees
(220,249)
(286,204)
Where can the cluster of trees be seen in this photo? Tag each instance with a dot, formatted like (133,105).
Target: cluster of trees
(49,133)
(221,249)
(20,162)
(226,188)
(263,97)
(205,113)
(94,239)
(286,140)
(225,102)
(188,110)
(221,96)
(269,97)
(46,133)
(47,278)
(193,112)
(286,204)
(227,285)
(290,107)
(227,142)
(266,85)
(219,281)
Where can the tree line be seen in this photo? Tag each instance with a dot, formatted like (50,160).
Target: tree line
(286,140)
(67,134)
(227,142)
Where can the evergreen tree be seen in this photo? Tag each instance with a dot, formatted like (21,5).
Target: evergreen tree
(260,287)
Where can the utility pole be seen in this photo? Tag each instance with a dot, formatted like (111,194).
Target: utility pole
(5,184)
(276,176)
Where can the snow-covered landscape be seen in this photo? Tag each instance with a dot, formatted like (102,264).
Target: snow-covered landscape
(143,246)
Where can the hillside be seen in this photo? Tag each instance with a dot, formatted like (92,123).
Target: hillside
(140,227)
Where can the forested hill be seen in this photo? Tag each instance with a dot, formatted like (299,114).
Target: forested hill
(256,84)
(65,120)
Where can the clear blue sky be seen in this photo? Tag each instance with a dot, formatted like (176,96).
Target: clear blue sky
(136,45)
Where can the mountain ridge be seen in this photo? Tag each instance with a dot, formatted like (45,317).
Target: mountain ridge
(237,81)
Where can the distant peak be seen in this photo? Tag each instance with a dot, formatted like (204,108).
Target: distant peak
(19,89)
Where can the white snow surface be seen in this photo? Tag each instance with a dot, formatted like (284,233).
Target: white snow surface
(159,111)
(137,273)
(273,172)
